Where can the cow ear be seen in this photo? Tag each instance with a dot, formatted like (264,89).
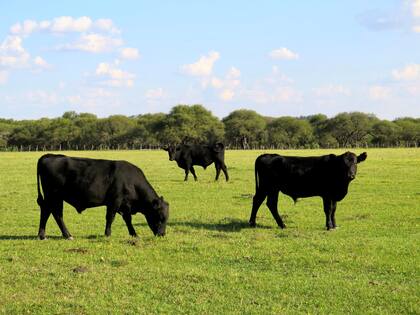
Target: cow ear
(362,157)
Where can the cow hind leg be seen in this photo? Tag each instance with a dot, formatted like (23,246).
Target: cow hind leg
(193,172)
(58,216)
(333,208)
(45,214)
(256,203)
(218,169)
(328,205)
(272,201)
(110,216)
(224,169)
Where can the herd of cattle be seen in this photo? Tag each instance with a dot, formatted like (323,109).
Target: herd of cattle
(122,187)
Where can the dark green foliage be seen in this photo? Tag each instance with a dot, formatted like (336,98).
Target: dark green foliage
(242,128)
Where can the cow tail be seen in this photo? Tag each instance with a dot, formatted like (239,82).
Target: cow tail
(40,199)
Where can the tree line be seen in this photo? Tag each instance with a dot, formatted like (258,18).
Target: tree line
(244,129)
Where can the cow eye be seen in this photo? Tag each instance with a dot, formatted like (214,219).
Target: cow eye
(178,149)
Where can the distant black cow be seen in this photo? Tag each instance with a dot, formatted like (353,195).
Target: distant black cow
(85,183)
(327,176)
(187,155)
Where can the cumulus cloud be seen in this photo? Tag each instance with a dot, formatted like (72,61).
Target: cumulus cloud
(415,6)
(283,53)
(408,73)
(12,53)
(114,77)
(129,53)
(155,94)
(93,43)
(4,76)
(331,90)
(64,24)
(378,92)
(228,85)
(40,62)
(202,67)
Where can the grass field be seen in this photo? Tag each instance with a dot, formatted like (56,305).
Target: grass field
(210,262)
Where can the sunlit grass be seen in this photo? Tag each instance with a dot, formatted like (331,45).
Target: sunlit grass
(210,262)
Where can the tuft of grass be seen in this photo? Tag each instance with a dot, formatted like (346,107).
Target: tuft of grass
(210,262)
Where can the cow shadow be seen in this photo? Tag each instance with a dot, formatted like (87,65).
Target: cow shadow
(227,225)
(26,237)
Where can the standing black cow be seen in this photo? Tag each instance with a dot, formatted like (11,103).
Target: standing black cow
(327,176)
(187,155)
(86,183)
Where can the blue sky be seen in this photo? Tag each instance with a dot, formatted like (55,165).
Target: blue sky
(276,57)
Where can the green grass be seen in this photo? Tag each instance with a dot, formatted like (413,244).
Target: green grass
(210,262)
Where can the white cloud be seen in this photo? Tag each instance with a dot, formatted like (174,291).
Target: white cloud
(40,62)
(409,72)
(415,6)
(12,53)
(331,90)
(129,53)
(115,77)
(283,53)
(4,76)
(378,92)
(203,67)
(93,43)
(281,94)
(155,94)
(42,97)
(227,95)
(65,24)
(106,25)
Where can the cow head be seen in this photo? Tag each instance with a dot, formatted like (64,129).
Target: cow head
(158,216)
(349,162)
(173,151)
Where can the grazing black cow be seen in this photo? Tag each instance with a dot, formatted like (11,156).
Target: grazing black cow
(86,183)
(187,155)
(327,176)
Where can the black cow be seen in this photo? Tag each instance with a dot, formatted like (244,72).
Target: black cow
(327,176)
(187,155)
(86,183)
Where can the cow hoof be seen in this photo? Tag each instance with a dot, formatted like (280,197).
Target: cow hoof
(252,224)
(42,238)
(69,238)
(282,226)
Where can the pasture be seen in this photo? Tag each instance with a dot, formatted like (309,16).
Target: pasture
(210,262)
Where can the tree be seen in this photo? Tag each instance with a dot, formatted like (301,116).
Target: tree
(385,133)
(245,128)
(191,124)
(350,129)
(410,131)
(290,132)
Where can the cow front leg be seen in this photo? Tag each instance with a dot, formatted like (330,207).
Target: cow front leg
(224,169)
(45,214)
(193,172)
(272,201)
(256,203)
(186,174)
(218,168)
(110,216)
(328,213)
(333,208)
(127,218)
(58,216)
